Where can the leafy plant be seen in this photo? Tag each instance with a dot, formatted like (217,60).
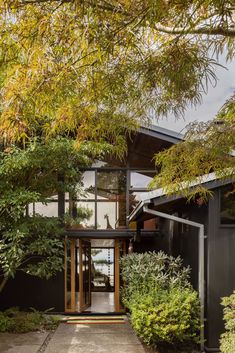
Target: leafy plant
(142,272)
(227,341)
(164,307)
(29,175)
(166,316)
(13,320)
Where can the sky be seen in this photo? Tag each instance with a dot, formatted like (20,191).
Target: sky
(211,102)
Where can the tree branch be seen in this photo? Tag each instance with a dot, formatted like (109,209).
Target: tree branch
(227,32)
(3,283)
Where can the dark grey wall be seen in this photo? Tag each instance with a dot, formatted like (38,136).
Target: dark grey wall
(27,291)
(220,270)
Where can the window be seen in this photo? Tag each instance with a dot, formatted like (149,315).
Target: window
(141,179)
(100,203)
(111,199)
(49,208)
(227,205)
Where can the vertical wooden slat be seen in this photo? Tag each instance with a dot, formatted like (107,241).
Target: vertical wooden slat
(65,276)
(73,300)
(117,276)
(81,304)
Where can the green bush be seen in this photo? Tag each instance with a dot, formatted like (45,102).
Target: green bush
(13,320)
(166,316)
(227,341)
(141,272)
(5,323)
(164,307)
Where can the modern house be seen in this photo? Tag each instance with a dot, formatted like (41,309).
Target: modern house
(115,212)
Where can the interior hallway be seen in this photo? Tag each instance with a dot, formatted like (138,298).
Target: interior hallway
(102,302)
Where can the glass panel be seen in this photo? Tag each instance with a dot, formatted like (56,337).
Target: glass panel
(227,208)
(102,269)
(47,210)
(111,182)
(134,198)
(79,214)
(141,179)
(111,189)
(88,185)
(106,215)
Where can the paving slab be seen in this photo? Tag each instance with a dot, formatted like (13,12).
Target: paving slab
(102,338)
(95,349)
(21,343)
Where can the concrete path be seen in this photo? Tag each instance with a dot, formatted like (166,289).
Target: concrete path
(96,338)
(22,343)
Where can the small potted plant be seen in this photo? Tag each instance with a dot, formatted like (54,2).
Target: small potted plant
(82,214)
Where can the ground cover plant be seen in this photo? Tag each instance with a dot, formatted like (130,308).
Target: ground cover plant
(227,342)
(16,321)
(163,305)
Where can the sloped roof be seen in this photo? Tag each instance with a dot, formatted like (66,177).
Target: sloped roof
(160,132)
(159,196)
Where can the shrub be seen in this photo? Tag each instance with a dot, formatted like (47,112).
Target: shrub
(227,341)
(141,272)
(167,316)
(13,320)
(5,323)
(164,307)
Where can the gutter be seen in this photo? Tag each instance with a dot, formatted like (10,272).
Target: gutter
(201,254)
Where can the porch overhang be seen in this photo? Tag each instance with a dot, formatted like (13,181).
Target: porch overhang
(105,234)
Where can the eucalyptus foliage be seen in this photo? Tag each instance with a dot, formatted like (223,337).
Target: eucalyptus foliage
(208,147)
(99,68)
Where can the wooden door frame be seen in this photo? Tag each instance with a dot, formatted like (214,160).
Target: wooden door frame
(83,306)
(117,301)
(72,274)
(117,276)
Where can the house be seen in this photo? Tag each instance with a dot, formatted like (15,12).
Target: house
(203,234)
(108,217)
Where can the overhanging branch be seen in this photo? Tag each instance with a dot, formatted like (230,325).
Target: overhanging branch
(226,32)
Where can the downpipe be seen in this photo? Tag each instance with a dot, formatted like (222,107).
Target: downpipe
(201,253)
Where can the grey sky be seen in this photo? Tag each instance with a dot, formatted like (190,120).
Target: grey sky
(212,101)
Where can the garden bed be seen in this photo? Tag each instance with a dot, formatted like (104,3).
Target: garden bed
(15,321)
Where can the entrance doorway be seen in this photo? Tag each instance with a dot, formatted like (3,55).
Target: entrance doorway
(92,275)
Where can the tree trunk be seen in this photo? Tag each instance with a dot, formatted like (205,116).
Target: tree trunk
(3,283)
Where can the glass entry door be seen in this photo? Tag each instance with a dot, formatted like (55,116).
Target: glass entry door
(80,275)
(77,275)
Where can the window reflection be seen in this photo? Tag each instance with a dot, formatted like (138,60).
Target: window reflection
(111,197)
(88,185)
(79,214)
(48,208)
(134,198)
(227,207)
(141,179)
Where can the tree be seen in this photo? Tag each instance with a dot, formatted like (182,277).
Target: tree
(105,61)
(208,147)
(29,242)
(111,65)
